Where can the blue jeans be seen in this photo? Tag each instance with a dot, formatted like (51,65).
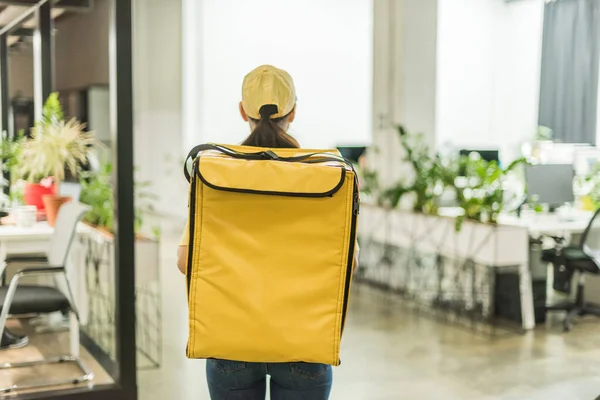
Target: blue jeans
(234,380)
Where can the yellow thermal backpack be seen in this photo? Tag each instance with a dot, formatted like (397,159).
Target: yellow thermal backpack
(271,252)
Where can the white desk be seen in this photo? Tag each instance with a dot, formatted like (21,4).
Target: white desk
(474,252)
(15,240)
(550,224)
(497,246)
(538,223)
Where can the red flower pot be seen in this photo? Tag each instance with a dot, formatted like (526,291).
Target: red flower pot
(33,193)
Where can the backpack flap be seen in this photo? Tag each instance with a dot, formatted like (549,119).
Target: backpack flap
(271,177)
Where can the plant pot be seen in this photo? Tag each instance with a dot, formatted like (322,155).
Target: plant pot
(52,204)
(33,193)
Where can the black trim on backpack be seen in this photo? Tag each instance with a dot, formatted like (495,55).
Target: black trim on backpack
(328,193)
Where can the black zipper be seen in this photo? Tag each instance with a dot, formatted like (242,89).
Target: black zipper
(355,212)
(192,220)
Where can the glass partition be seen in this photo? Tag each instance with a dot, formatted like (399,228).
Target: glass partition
(67,291)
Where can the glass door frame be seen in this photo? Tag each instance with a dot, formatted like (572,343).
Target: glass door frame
(124,371)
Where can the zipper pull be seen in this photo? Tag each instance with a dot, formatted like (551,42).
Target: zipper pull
(356,205)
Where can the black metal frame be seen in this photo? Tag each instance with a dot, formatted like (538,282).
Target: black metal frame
(45,58)
(125,376)
(586,233)
(71,4)
(4,95)
(21,31)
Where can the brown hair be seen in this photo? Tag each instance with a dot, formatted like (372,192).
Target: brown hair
(268,133)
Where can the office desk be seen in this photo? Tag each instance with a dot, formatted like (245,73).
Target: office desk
(15,240)
(550,224)
(426,259)
(538,224)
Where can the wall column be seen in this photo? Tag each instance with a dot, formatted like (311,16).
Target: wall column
(157,83)
(192,73)
(404,79)
(43,59)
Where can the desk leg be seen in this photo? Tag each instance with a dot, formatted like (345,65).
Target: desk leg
(525,289)
(78,268)
(2,257)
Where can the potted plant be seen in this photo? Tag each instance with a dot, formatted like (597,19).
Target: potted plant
(480,191)
(55,146)
(478,185)
(97,192)
(589,188)
(430,175)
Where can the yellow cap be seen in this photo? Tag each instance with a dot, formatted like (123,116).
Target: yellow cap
(268,85)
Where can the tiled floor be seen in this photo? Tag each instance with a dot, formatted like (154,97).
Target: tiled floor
(391,353)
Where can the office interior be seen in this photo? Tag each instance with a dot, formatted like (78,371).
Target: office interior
(476,143)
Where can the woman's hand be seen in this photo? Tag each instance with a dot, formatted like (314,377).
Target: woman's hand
(182,253)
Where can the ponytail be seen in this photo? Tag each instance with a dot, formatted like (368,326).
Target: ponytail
(268,133)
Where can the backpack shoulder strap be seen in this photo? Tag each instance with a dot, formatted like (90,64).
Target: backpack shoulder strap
(192,156)
(261,155)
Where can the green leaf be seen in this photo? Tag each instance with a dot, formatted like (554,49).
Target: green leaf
(96,191)
(515,164)
(52,112)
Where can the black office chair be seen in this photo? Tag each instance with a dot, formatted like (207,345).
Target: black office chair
(582,259)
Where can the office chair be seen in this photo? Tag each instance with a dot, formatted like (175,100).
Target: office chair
(17,299)
(569,260)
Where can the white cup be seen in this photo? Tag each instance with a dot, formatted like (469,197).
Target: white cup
(26,216)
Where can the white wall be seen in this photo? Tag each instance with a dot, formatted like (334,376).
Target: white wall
(598,117)
(488,73)
(81,47)
(419,66)
(20,70)
(99,112)
(464,71)
(404,81)
(325,45)
(191,64)
(517,65)
(81,52)
(157,102)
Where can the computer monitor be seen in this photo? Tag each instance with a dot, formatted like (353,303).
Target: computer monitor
(352,153)
(550,184)
(487,155)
